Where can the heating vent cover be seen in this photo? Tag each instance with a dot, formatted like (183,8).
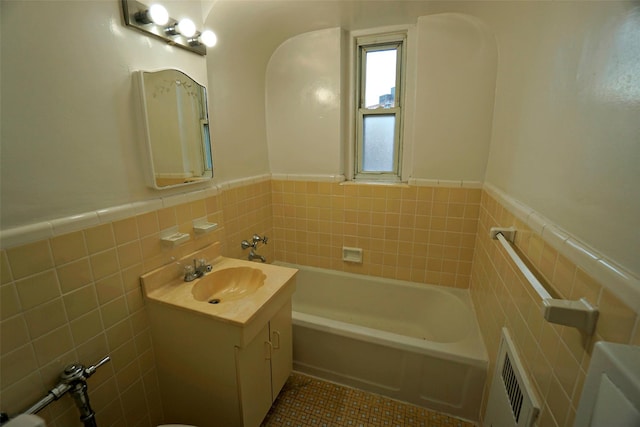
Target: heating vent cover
(514,393)
(512,400)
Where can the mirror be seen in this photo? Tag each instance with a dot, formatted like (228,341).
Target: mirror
(177,128)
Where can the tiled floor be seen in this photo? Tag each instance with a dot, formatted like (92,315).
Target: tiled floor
(308,401)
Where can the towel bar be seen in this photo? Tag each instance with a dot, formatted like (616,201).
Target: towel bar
(575,313)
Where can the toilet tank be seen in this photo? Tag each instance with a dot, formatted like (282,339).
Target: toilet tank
(611,393)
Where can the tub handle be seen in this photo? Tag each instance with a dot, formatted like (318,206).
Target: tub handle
(276,342)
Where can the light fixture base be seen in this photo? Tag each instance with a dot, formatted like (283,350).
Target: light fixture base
(132,10)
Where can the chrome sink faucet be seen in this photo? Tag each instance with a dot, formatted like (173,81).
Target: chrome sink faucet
(199,268)
(255,241)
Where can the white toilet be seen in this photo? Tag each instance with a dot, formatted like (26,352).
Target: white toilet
(611,393)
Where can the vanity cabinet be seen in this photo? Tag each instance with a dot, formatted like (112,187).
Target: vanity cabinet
(264,366)
(215,373)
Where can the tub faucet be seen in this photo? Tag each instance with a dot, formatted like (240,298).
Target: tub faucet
(253,255)
(255,240)
(253,244)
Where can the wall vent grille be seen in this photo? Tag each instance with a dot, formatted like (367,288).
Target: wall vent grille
(512,400)
(512,387)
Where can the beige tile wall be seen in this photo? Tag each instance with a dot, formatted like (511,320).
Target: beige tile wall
(247,211)
(77,297)
(422,234)
(556,357)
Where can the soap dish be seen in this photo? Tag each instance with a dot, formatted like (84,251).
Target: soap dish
(174,239)
(204,227)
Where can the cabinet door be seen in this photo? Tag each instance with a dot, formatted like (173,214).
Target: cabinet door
(253,369)
(282,351)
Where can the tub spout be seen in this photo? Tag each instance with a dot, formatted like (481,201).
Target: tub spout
(253,256)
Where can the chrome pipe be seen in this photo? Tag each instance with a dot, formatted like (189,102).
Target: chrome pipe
(74,378)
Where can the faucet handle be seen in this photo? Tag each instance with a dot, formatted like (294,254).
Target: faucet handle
(189,273)
(203,266)
(92,369)
(256,238)
(245,244)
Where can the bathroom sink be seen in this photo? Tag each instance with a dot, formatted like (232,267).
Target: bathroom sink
(237,291)
(228,284)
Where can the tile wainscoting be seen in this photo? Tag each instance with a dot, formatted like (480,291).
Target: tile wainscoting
(70,289)
(76,296)
(556,357)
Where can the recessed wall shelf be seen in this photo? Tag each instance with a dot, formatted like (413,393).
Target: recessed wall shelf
(352,254)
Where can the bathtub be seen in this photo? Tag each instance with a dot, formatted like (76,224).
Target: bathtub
(412,342)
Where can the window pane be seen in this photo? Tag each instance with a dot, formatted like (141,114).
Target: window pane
(377,144)
(380,75)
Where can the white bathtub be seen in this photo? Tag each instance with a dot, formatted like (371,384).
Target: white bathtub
(412,342)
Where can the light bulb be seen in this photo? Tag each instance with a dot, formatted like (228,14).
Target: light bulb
(209,38)
(187,28)
(158,14)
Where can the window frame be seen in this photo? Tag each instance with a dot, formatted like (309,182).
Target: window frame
(363,45)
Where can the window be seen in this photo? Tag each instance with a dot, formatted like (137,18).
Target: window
(378,148)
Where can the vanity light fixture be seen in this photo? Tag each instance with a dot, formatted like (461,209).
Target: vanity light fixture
(209,38)
(187,28)
(156,13)
(155,21)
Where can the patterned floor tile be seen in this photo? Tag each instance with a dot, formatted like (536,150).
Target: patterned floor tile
(309,402)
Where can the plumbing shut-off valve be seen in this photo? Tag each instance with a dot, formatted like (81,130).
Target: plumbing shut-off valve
(73,380)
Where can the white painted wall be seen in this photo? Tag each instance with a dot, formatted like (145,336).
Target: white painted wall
(566,129)
(303,99)
(451,65)
(237,113)
(236,69)
(565,134)
(70,131)
(455,85)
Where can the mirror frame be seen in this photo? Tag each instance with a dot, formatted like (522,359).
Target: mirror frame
(205,134)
